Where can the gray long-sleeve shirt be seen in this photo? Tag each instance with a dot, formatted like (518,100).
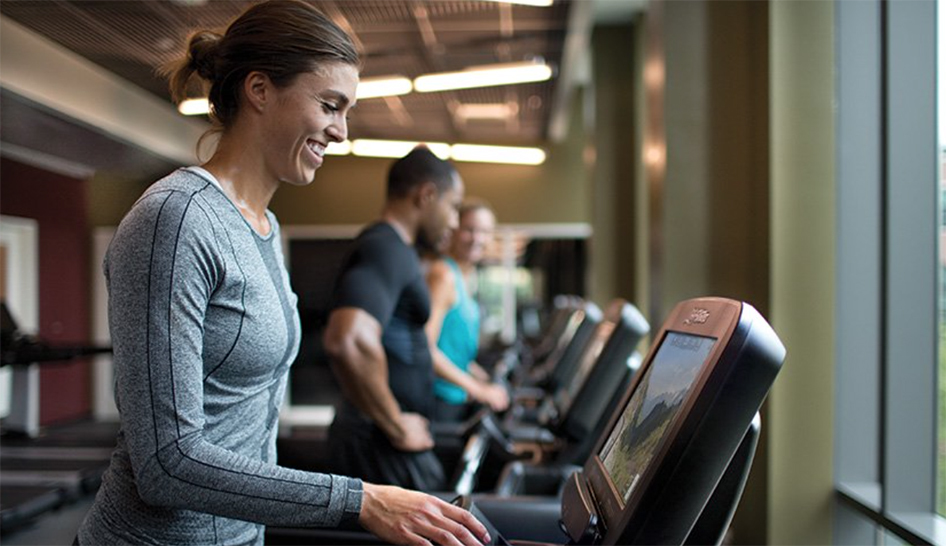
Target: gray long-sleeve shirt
(204,327)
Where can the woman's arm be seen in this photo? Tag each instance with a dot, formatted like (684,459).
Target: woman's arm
(163,266)
(441,282)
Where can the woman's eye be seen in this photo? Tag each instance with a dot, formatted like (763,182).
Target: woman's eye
(330,107)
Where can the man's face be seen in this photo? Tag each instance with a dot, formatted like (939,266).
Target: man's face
(440,215)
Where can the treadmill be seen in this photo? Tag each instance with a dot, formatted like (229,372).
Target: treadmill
(452,439)
(562,432)
(671,463)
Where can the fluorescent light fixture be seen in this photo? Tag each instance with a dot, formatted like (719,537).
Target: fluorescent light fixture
(194,107)
(539,3)
(498,110)
(514,155)
(484,76)
(338,148)
(395,148)
(383,86)
(497,154)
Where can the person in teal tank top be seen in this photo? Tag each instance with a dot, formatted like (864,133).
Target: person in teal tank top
(454,325)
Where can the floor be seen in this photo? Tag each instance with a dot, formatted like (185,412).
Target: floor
(56,528)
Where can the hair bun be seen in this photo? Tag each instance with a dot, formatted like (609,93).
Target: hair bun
(203,53)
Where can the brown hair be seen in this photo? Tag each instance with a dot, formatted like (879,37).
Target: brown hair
(473,204)
(280,38)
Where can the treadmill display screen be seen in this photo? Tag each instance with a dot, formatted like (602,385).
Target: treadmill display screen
(649,414)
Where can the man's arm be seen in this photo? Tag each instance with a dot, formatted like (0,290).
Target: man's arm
(353,341)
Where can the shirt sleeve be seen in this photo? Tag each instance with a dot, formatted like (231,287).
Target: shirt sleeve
(374,276)
(162,267)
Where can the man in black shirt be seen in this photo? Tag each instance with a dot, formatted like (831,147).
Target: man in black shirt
(375,334)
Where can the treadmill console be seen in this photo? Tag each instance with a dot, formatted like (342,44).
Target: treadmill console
(672,438)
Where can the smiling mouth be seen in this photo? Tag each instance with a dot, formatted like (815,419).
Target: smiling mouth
(316,147)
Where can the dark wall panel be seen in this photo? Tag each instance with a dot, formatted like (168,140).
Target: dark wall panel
(58,204)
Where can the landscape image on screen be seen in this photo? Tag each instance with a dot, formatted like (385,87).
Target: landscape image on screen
(652,408)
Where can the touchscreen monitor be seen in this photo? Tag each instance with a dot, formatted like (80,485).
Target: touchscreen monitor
(673,435)
(652,409)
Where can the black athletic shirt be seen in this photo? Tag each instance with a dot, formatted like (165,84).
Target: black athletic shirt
(382,275)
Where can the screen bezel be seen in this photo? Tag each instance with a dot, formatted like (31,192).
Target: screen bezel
(712,318)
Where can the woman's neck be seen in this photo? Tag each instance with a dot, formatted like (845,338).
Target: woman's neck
(244,182)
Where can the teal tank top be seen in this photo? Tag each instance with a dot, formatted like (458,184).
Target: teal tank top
(459,337)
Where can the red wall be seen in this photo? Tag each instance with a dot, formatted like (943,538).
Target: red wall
(58,204)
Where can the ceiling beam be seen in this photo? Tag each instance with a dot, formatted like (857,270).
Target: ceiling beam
(573,67)
(64,82)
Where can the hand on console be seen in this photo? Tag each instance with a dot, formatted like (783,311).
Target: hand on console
(493,395)
(400,516)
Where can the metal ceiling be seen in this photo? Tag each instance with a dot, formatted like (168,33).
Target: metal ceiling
(408,37)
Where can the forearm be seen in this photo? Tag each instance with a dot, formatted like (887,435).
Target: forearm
(448,371)
(478,372)
(370,393)
(198,475)
(363,370)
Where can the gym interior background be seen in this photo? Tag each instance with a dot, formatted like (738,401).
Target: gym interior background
(786,153)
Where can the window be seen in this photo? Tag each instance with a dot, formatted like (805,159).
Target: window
(889,458)
(941,261)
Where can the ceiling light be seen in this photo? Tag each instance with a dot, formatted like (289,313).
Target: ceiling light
(395,148)
(338,148)
(497,154)
(539,3)
(194,107)
(499,110)
(514,155)
(383,86)
(484,76)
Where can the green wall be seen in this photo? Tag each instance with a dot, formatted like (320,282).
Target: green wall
(615,150)
(803,255)
(711,229)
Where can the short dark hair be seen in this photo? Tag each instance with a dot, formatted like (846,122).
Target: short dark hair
(280,38)
(417,167)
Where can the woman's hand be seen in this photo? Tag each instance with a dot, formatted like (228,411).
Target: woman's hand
(400,516)
(493,395)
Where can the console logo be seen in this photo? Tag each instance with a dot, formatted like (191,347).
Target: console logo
(698,316)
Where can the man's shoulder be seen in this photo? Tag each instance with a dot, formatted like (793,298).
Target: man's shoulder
(380,239)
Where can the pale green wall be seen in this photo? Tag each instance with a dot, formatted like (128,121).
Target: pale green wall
(615,144)
(714,233)
(110,197)
(803,254)
(684,270)
(715,192)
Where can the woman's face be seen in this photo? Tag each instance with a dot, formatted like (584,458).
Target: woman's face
(473,235)
(308,115)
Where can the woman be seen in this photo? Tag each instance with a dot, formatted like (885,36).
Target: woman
(203,320)
(454,324)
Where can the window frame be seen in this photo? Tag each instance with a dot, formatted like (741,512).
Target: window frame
(887,276)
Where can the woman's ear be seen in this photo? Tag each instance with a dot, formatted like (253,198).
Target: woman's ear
(257,87)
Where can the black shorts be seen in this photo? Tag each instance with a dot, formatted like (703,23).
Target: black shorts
(359,449)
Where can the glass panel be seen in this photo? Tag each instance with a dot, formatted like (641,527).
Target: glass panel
(941,427)
(890,539)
